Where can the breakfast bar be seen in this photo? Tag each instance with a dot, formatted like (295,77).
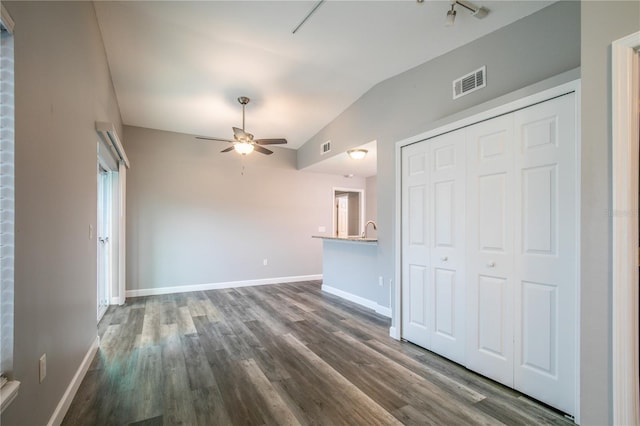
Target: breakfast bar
(349,268)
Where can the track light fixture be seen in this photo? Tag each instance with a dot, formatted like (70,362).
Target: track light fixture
(451,15)
(476,11)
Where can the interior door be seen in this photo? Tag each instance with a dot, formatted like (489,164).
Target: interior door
(490,248)
(447,245)
(546,255)
(415,244)
(342,215)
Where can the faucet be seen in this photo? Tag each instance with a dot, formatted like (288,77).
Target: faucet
(375,228)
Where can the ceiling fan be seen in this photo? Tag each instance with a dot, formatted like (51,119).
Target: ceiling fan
(243,142)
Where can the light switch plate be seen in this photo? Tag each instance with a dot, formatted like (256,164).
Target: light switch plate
(43,367)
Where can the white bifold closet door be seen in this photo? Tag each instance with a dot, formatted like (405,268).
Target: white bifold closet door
(433,245)
(489,248)
(490,213)
(522,250)
(415,249)
(546,259)
(446,245)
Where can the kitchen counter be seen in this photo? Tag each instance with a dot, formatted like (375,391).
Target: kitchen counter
(349,239)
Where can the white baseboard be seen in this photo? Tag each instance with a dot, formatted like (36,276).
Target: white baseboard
(393,332)
(382,310)
(70,393)
(218,286)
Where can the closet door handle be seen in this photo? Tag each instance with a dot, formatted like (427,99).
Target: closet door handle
(491,264)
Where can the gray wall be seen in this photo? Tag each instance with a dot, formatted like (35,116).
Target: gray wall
(371,208)
(350,267)
(528,51)
(62,87)
(602,23)
(194,218)
(354,213)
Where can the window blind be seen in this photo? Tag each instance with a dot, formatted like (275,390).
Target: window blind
(7,205)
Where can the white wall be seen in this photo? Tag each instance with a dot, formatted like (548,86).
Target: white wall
(194,218)
(602,23)
(62,86)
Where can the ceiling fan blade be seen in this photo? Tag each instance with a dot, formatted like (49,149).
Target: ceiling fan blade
(228,149)
(214,139)
(262,150)
(270,141)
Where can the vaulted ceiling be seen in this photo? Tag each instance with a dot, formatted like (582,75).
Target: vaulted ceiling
(180,66)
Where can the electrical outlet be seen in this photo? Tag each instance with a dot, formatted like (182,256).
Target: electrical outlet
(322,229)
(43,367)
(380,281)
(265,262)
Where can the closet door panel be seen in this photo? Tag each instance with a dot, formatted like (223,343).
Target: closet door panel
(447,245)
(546,255)
(490,248)
(416,324)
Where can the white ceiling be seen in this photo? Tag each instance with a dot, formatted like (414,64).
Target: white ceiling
(180,66)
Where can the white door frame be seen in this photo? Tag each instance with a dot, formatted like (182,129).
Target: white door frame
(333,205)
(624,215)
(528,100)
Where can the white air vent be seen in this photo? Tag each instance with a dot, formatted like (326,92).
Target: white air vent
(326,147)
(470,82)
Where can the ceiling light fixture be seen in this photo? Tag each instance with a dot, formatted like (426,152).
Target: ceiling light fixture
(478,12)
(357,154)
(243,148)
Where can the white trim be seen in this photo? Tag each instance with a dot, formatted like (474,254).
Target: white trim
(70,393)
(396,315)
(624,217)
(122,231)
(8,393)
(221,285)
(393,333)
(108,132)
(578,189)
(382,310)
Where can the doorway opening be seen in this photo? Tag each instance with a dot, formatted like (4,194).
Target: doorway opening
(348,212)
(103,233)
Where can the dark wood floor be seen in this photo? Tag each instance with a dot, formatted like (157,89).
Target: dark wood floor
(278,355)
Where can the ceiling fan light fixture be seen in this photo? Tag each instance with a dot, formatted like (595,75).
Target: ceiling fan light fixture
(357,154)
(243,148)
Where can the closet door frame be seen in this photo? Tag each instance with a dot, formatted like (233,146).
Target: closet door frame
(503,105)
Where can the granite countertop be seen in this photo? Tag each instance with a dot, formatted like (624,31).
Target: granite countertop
(350,239)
